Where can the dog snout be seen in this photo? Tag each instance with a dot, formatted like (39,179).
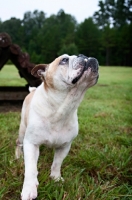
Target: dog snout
(88,62)
(82,60)
(92,63)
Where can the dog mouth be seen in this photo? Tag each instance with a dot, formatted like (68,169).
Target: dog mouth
(84,63)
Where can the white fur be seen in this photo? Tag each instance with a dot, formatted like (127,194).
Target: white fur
(52,121)
(31,89)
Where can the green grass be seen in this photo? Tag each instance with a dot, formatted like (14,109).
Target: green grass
(99,165)
(9,76)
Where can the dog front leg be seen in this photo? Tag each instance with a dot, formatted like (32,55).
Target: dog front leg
(31,153)
(60,154)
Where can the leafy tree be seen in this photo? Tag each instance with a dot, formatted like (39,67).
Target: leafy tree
(14,28)
(58,31)
(88,38)
(108,43)
(33,21)
(123,12)
(122,52)
(70,49)
(102,16)
(32,24)
(114,18)
(113,12)
(67,25)
(106,36)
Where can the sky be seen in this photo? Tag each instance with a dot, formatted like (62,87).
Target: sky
(80,9)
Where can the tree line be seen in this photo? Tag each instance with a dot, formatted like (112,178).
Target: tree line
(107,35)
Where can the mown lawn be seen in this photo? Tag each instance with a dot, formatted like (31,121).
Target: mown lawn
(99,165)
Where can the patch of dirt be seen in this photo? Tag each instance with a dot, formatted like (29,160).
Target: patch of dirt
(10,106)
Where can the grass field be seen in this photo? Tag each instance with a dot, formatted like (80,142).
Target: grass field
(9,76)
(99,165)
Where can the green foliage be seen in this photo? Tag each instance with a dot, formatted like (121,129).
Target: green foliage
(106,36)
(15,29)
(71,49)
(102,17)
(87,38)
(114,12)
(98,166)
(114,19)
(57,32)
(108,42)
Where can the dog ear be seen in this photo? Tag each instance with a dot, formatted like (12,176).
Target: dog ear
(39,70)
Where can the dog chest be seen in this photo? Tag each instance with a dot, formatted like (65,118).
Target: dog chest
(51,136)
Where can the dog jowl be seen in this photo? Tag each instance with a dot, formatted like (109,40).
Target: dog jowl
(49,114)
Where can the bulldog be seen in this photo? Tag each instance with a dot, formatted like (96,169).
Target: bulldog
(49,114)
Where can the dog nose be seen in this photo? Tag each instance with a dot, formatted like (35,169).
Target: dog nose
(92,63)
(83,59)
(89,62)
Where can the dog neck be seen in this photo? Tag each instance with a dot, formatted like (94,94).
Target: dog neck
(57,107)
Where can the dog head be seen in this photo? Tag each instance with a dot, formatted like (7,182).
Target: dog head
(67,71)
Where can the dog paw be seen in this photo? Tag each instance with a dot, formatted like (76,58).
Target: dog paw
(29,191)
(57,178)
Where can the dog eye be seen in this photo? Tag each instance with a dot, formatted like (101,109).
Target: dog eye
(64,61)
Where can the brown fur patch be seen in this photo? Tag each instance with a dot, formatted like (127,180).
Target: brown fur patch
(36,71)
(51,71)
